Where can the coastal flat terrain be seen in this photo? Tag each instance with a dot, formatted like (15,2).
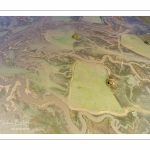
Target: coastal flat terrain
(74,75)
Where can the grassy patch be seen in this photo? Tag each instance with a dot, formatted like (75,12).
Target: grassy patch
(62,18)
(135,44)
(39,90)
(89,90)
(93,19)
(62,38)
(145,19)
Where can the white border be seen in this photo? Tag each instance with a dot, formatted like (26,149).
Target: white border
(74,5)
(76,136)
(75,13)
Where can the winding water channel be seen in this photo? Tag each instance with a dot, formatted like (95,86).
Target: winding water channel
(62,105)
